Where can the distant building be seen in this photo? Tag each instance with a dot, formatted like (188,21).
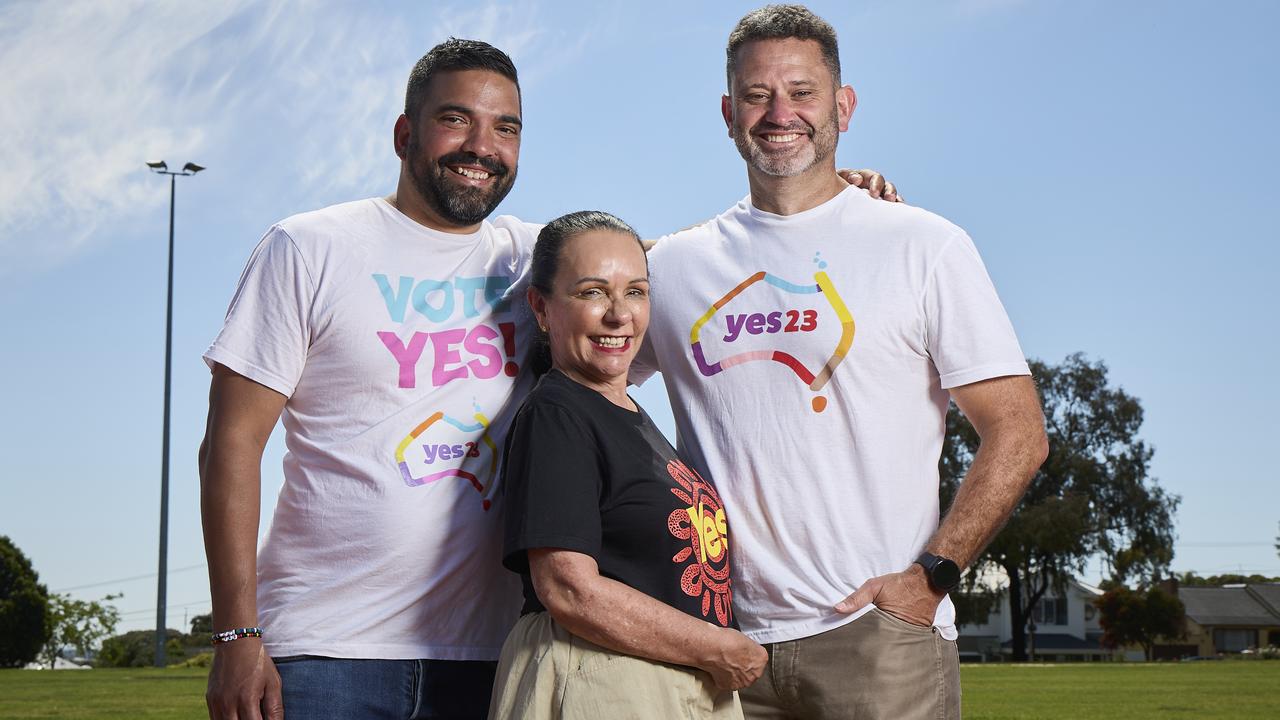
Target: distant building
(1066,629)
(1220,620)
(1228,619)
(59,663)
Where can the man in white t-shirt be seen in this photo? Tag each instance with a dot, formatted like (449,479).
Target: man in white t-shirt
(810,339)
(390,335)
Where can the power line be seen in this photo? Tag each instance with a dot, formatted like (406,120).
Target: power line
(171,606)
(129,579)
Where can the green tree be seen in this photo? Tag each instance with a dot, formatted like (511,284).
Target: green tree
(1135,618)
(1092,498)
(79,624)
(24,607)
(138,648)
(1190,579)
(202,627)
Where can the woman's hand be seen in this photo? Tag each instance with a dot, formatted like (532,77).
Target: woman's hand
(736,660)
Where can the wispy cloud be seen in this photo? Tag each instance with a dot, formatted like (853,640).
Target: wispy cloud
(95,88)
(90,95)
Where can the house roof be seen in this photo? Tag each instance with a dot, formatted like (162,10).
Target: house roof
(1269,594)
(1048,642)
(1231,606)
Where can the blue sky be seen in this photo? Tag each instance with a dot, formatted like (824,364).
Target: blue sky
(1114,163)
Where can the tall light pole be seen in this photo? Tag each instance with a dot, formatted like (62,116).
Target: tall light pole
(161,168)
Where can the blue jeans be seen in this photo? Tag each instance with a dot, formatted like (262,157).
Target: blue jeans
(319,688)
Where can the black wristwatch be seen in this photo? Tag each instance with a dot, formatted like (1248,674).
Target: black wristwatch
(943,574)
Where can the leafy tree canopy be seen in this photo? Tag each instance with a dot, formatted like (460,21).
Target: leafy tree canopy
(1190,579)
(24,604)
(1129,617)
(1092,498)
(202,625)
(138,648)
(78,624)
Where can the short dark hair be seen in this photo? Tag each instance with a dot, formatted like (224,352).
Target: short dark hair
(780,22)
(452,55)
(546,263)
(552,237)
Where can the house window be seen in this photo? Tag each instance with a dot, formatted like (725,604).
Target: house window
(1050,611)
(1234,640)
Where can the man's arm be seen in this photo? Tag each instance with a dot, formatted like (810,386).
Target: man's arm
(243,683)
(1007,416)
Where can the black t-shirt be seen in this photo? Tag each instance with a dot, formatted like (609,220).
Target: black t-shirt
(583,474)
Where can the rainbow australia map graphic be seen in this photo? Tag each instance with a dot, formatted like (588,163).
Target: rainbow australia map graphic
(473,469)
(779,321)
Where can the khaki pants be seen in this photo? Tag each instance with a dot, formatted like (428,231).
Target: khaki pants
(547,672)
(875,668)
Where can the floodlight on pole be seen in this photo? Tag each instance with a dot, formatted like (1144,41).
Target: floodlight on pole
(161,168)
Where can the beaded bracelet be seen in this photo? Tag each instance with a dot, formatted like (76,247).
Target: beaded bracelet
(227,636)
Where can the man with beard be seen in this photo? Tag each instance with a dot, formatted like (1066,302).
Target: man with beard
(386,333)
(391,334)
(810,339)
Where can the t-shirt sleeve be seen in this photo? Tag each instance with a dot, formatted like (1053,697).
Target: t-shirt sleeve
(968,333)
(267,329)
(553,484)
(644,364)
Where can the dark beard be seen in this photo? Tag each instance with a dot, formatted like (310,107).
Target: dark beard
(459,205)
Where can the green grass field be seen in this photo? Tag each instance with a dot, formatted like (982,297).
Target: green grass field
(81,694)
(1132,691)
(1122,690)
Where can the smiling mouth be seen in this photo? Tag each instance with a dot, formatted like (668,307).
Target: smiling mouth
(470,173)
(781,137)
(611,342)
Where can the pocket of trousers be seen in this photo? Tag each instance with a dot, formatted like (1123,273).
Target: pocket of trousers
(898,622)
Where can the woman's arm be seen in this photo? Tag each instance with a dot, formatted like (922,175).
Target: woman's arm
(621,618)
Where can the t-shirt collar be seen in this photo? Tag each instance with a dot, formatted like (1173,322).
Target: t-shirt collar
(416,227)
(812,213)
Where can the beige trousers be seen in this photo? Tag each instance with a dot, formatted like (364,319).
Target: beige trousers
(875,668)
(547,672)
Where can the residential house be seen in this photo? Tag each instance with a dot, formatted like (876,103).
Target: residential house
(1227,619)
(1066,629)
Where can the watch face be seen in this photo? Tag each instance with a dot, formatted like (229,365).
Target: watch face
(946,574)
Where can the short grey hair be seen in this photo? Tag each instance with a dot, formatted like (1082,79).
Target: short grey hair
(781,22)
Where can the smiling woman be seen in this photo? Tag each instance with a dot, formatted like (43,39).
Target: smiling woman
(621,547)
(590,293)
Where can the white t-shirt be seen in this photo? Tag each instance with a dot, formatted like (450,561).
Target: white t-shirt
(400,350)
(808,359)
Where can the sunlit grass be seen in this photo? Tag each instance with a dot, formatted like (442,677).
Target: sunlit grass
(991,692)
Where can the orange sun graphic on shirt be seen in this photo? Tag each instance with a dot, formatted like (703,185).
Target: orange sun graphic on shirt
(701,521)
